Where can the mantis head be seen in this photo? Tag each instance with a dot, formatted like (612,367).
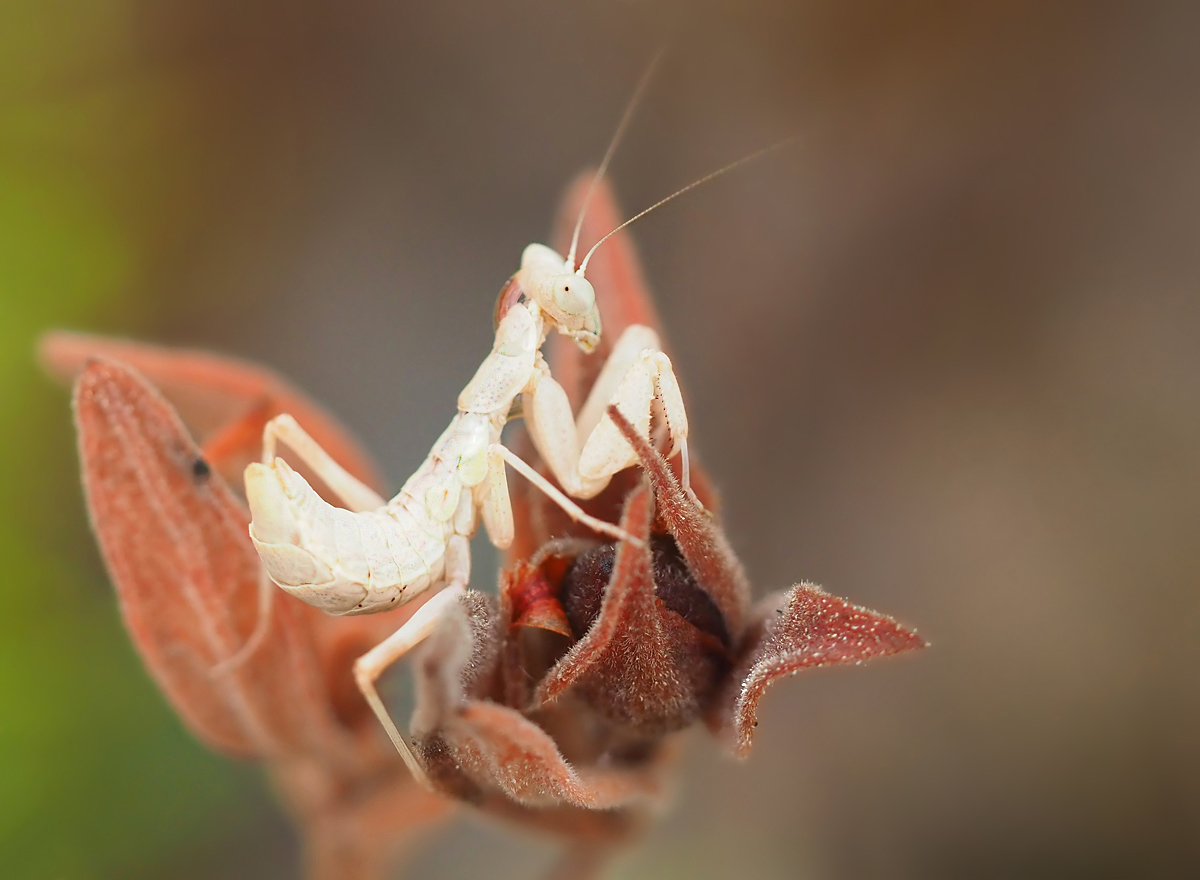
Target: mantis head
(565,297)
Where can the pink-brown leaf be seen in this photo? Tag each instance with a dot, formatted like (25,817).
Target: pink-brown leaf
(473,746)
(174,539)
(497,746)
(224,401)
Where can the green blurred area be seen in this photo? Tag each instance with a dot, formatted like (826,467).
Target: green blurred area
(98,777)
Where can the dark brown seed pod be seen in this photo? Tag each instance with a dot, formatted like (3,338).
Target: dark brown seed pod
(675,586)
(651,647)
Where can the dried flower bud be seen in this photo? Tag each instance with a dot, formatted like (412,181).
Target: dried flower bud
(475,748)
(585,580)
(641,665)
(661,629)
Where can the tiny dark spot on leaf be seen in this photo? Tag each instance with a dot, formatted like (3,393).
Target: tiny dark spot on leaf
(200,470)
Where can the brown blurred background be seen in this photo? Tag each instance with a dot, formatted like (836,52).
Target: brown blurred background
(941,358)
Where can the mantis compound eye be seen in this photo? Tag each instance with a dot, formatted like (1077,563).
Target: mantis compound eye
(573,294)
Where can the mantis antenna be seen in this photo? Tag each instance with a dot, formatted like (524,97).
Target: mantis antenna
(612,148)
(691,186)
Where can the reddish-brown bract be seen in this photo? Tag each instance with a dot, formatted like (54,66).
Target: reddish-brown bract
(800,629)
(641,666)
(224,402)
(649,669)
(173,538)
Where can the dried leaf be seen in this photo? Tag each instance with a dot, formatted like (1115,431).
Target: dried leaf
(801,629)
(225,402)
(497,746)
(174,539)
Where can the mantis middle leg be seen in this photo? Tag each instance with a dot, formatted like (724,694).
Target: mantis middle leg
(412,632)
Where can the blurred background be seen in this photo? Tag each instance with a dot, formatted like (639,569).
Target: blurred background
(941,358)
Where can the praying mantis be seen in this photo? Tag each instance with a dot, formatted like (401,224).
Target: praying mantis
(374,554)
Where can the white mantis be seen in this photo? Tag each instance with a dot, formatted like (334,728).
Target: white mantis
(373,555)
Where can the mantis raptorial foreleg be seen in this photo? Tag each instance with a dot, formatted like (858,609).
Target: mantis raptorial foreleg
(584,453)
(635,339)
(352,492)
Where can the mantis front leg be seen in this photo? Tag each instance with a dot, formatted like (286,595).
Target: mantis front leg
(584,454)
